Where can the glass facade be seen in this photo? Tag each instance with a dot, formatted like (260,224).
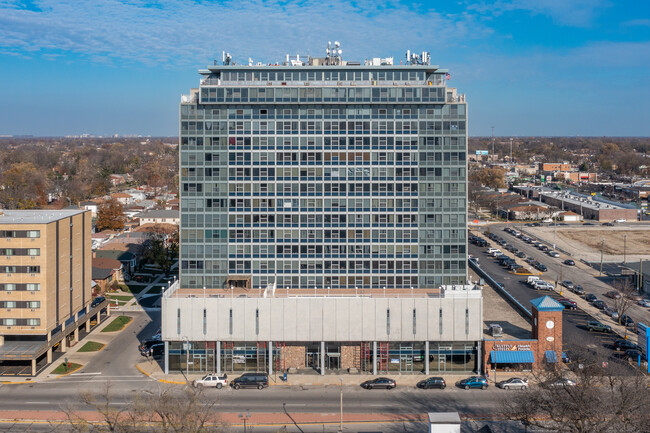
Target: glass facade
(323,177)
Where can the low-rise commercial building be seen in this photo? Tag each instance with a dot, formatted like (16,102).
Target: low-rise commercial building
(418,331)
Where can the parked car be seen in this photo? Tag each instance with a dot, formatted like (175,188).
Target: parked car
(644,302)
(569,262)
(211,381)
(540,267)
(145,345)
(155,350)
(563,381)
(631,355)
(513,383)
(626,320)
(553,254)
(474,382)
(432,382)
(521,254)
(380,382)
(251,380)
(98,300)
(621,344)
(568,303)
(620,220)
(599,304)
(568,284)
(611,312)
(590,297)
(608,224)
(578,290)
(613,294)
(594,325)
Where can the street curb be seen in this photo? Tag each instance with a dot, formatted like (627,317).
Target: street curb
(119,330)
(70,372)
(159,380)
(18,383)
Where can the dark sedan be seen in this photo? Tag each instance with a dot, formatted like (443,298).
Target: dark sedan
(590,297)
(380,382)
(432,382)
(625,345)
(569,304)
(599,304)
(569,262)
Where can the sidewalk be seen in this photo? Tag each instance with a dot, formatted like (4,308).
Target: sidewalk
(72,354)
(153,369)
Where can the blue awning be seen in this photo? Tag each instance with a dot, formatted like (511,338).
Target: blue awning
(550,357)
(512,357)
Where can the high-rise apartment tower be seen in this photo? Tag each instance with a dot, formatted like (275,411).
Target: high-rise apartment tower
(323,174)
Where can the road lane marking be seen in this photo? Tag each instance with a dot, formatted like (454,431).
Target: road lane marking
(86,374)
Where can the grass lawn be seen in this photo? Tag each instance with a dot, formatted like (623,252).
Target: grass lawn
(63,368)
(117,324)
(91,346)
(120,298)
(135,288)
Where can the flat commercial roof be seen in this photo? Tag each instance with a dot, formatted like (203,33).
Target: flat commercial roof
(36,216)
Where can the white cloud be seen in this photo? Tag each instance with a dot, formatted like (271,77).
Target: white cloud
(576,13)
(181,32)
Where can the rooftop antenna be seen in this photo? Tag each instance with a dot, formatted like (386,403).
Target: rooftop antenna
(333,53)
(226,58)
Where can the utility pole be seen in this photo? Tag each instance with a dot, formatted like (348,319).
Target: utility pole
(341,419)
(602,246)
(493,154)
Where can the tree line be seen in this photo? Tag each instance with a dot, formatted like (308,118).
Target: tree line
(35,171)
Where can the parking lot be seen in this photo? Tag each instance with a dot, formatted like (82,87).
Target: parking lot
(576,334)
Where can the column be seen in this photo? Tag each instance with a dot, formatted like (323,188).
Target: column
(49,355)
(479,359)
(76,334)
(374,358)
(322,358)
(63,344)
(270,358)
(88,324)
(2,340)
(108,311)
(217,353)
(33,366)
(166,357)
(426,358)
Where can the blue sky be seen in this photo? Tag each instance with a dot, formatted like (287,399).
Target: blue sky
(528,67)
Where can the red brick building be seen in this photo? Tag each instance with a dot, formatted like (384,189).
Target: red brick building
(521,355)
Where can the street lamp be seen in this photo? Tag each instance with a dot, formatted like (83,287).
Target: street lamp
(244,417)
(624,248)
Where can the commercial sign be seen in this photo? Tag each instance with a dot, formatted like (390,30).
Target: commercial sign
(512,347)
(481,152)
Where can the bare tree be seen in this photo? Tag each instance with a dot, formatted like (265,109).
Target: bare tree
(625,298)
(168,410)
(607,397)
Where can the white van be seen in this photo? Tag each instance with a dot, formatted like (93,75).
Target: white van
(532,280)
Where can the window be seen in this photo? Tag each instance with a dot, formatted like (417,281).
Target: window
(33,322)
(9,322)
(230,322)
(414,322)
(257,321)
(178,321)
(33,287)
(388,321)
(33,252)
(205,321)
(33,233)
(33,304)
(10,304)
